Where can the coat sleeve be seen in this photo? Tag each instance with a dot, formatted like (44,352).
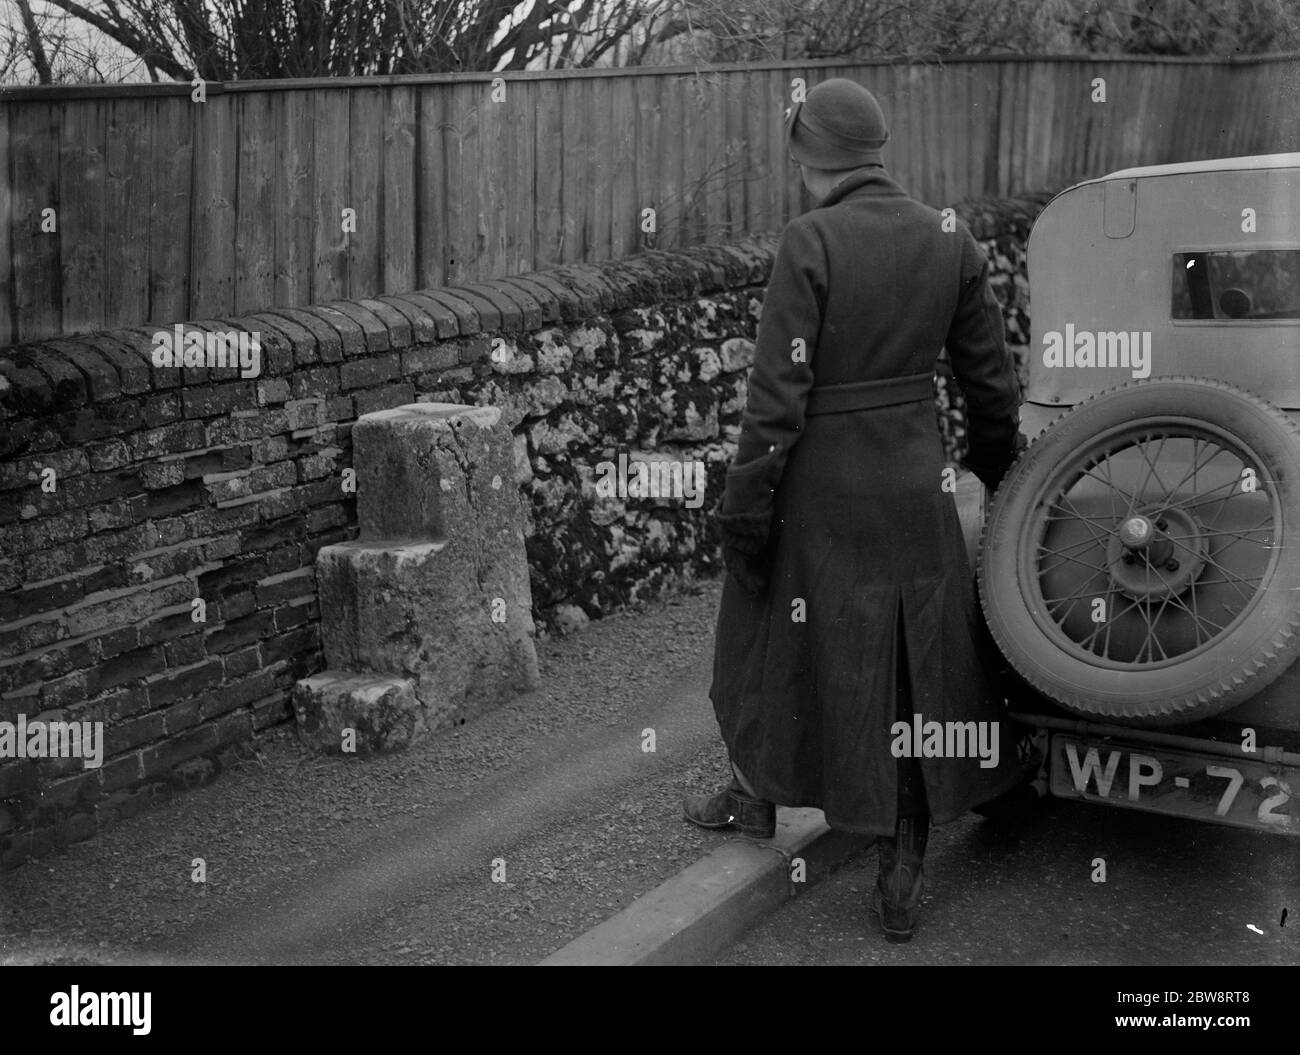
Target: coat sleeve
(778,387)
(984,370)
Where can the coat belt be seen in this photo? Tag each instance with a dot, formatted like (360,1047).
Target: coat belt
(865,395)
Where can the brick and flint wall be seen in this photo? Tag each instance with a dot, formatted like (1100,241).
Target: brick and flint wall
(158,526)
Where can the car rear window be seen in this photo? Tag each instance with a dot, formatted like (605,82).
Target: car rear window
(1237,284)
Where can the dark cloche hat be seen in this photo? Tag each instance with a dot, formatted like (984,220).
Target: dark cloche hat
(839,125)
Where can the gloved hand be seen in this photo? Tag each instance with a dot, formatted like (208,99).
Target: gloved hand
(745,550)
(991,467)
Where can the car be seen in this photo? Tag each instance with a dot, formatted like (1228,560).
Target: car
(1139,566)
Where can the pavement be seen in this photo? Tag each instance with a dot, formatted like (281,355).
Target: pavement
(702,910)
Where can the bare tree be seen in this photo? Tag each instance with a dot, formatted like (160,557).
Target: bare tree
(225,40)
(753,30)
(1176,27)
(50,46)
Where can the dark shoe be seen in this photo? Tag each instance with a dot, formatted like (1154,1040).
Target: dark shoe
(897,896)
(732,808)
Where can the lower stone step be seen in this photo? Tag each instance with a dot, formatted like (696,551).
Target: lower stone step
(345,713)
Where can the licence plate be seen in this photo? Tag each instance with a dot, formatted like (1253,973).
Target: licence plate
(1182,783)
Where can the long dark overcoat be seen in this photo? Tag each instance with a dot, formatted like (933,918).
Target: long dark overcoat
(841,463)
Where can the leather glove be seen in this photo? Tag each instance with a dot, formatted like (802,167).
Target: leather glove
(745,550)
(992,468)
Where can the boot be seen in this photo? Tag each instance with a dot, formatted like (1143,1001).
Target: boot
(732,807)
(897,896)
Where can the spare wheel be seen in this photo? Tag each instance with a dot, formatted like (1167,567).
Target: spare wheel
(1141,561)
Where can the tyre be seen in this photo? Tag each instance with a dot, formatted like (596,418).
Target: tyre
(1141,560)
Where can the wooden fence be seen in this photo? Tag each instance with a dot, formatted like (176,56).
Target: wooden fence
(168,209)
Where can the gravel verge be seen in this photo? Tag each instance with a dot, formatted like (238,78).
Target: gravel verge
(271,829)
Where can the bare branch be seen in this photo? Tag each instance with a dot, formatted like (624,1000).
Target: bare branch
(35,46)
(150,51)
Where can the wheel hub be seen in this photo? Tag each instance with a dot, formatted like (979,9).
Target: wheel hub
(1156,553)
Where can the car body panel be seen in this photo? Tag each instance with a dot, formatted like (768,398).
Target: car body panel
(1101,260)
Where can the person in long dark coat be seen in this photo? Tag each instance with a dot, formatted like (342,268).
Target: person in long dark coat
(849,602)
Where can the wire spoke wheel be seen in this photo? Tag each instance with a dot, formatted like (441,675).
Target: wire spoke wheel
(1139,561)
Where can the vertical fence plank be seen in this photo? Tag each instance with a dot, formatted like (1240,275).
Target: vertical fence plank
(255,202)
(1012,128)
(1166,132)
(1237,103)
(1121,144)
(600,116)
(964,100)
(1038,127)
(903,129)
(918,146)
(493,178)
(550,150)
(649,146)
(990,95)
(778,153)
(738,155)
(172,125)
(757,173)
(521,178)
(688,142)
(128,190)
(668,174)
(365,158)
(1062,118)
(397,175)
(768,87)
(952,117)
(1210,109)
(1009,129)
(34,145)
(796,195)
(723,165)
(1083,114)
(1138,145)
(623,174)
(492,185)
(330,193)
(81,215)
(431,249)
(295,198)
(8,333)
(697,155)
(464,103)
(923,156)
(1102,121)
(691,135)
(576,192)
(941,140)
(212,245)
